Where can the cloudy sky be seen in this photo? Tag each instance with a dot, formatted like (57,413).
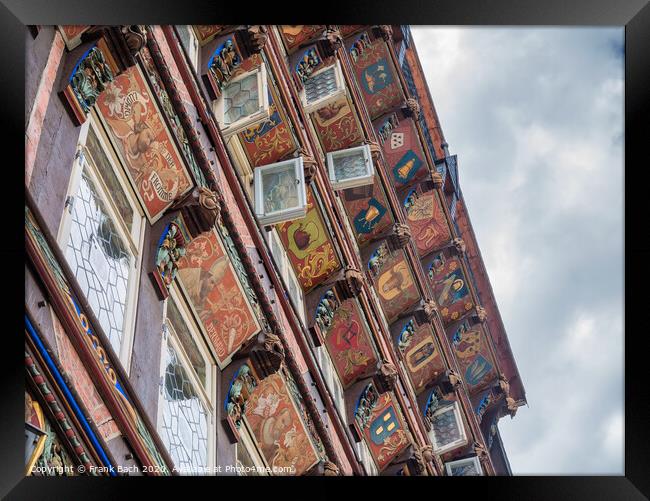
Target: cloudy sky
(536,119)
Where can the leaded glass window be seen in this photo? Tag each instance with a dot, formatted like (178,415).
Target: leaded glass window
(186,404)
(184,416)
(321,85)
(447,430)
(241,98)
(244,101)
(101,230)
(324,86)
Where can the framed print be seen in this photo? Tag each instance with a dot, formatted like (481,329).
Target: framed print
(469,467)
(351,168)
(447,429)
(280,192)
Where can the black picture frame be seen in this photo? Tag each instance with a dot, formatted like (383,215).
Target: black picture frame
(15,15)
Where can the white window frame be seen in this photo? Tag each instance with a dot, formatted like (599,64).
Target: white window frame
(320,102)
(133,238)
(193,50)
(462,440)
(290,213)
(241,163)
(366,179)
(263,112)
(285,270)
(462,462)
(366,459)
(247,441)
(207,393)
(331,379)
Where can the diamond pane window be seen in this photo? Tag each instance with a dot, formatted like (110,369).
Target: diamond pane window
(182,332)
(351,168)
(241,99)
(100,233)
(447,430)
(244,102)
(184,416)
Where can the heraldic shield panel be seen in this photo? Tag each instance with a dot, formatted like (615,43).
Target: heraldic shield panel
(385,432)
(279,430)
(421,354)
(143,141)
(349,343)
(309,246)
(337,125)
(376,76)
(209,280)
(368,211)
(404,156)
(427,220)
(473,355)
(450,288)
(395,285)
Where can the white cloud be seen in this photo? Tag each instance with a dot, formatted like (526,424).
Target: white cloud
(536,118)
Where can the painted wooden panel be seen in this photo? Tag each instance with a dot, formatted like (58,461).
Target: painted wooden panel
(377,79)
(473,355)
(143,141)
(368,211)
(450,288)
(337,125)
(210,282)
(426,218)
(349,343)
(269,141)
(422,358)
(386,434)
(404,156)
(295,35)
(206,32)
(309,246)
(396,286)
(279,431)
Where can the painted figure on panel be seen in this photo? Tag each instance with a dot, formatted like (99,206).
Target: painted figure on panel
(143,141)
(278,428)
(395,286)
(422,358)
(472,354)
(452,289)
(216,294)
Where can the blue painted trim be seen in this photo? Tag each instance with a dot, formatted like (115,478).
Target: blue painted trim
(71,400)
